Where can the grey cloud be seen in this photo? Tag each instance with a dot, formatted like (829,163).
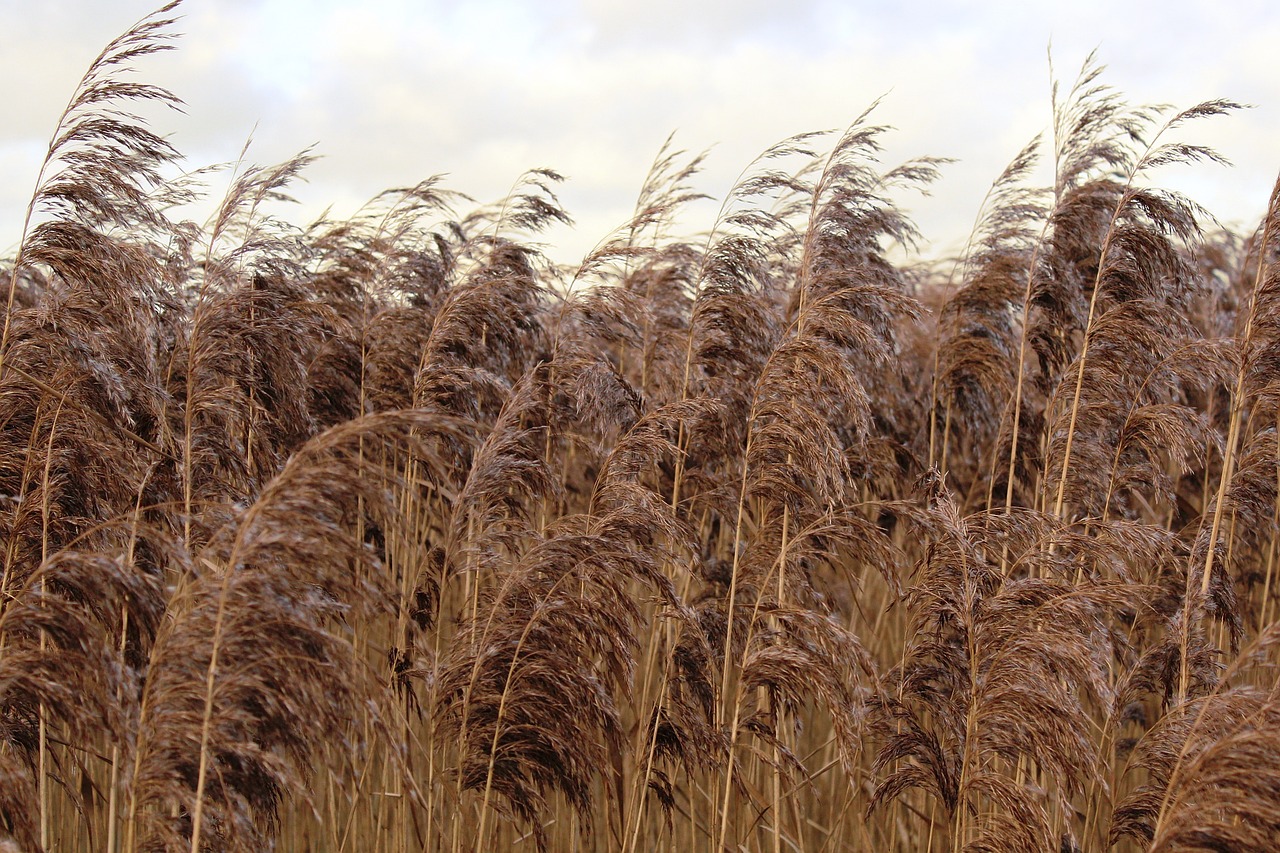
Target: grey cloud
(398,90)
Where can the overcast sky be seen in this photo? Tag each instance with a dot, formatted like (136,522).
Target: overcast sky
(393,91)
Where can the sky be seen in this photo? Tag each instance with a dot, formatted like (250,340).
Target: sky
(394,91)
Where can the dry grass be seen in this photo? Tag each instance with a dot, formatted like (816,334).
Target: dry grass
(389,534)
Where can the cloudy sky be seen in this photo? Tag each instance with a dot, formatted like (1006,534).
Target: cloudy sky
(393,91)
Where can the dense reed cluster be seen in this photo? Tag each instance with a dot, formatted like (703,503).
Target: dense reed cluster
(390,534)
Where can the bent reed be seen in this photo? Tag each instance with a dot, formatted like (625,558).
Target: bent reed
(388,533)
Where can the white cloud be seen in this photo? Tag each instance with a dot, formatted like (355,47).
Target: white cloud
(394,91)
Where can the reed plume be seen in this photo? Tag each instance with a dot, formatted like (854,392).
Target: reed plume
(392,532)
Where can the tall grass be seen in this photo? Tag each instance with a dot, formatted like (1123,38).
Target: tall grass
(388,533)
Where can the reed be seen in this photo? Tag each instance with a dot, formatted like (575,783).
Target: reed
(391,533)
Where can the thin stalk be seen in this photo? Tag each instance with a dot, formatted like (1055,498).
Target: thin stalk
(1120,209)
(206,723)
(780,713)
(43,735)
(1264,612)
(497,724)
(1235,417)
(113,818)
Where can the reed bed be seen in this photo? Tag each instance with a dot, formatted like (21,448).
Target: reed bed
(388,533)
